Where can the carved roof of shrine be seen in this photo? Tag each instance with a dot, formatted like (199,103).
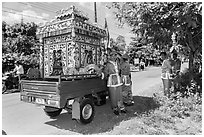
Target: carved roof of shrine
(63,23)
(68,12)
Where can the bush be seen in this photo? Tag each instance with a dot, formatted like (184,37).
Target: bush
(178,106)
(189,82)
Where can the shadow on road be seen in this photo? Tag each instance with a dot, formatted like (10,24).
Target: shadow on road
(104,119)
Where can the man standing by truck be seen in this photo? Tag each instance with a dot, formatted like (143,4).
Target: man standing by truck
(114,84)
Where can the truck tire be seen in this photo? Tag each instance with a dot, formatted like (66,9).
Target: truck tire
(87,111)
(52,112)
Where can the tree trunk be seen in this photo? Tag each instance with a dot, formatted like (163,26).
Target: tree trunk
(191,54)
(191,60)
(192,50)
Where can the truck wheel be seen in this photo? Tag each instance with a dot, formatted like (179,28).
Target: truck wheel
(87,111)
(52,112)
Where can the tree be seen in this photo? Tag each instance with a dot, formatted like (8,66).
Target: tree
(120,43)
(19,43)
(19,38)
(156,22)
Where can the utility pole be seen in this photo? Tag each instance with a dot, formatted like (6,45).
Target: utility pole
(95,12)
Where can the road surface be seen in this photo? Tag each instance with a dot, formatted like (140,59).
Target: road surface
(20,118)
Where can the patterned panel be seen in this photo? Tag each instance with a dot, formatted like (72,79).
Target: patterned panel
(55,27)
(48,56)
(41,58)
(46,60)
(103,56)
(93,48)
(51,61)
(90,28)
(70,55)
(83,48)
(88,54)
(58,39)
(85,39)
(63,47)
(99,55)
(77,56)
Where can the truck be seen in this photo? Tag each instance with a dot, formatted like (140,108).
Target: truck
(72,54)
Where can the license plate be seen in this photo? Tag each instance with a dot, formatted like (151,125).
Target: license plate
(40,101)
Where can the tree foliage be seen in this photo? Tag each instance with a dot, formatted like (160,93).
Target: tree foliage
(120,41)
(157,21)
(19,42)
(119,44)
(19,38)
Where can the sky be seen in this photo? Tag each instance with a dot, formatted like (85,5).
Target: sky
(40,12)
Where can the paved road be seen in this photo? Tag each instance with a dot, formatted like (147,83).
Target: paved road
(144,80)
(19,118)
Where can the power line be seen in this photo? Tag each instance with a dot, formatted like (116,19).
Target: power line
(24,15)
(52,6)
(11,9)
(36,7)
(43,5)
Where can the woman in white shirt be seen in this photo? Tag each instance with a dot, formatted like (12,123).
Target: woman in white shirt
(166,69)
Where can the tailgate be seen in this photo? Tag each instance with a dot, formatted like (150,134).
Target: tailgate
(40,92)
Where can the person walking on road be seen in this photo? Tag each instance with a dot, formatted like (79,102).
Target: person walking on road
(142,64)
(114,84)
(127,84)
(166,69)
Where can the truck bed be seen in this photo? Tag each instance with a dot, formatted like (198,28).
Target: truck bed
(33,91)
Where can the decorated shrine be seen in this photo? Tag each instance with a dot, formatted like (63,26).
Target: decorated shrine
(70,44)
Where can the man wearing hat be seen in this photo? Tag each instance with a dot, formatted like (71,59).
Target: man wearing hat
(114,83)
(127,84)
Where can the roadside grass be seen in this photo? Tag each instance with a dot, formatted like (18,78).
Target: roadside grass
(174,116)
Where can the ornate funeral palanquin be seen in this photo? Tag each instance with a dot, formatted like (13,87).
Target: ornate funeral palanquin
(70,43)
